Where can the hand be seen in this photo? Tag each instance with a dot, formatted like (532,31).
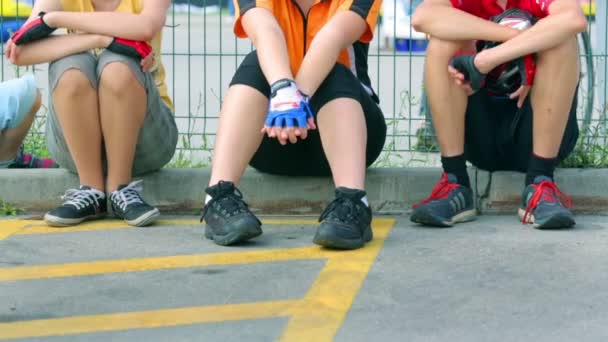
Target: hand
(33,30)
(459,79)
(520,94)
(12,51)
(148,62)
(289,114)
(131,48)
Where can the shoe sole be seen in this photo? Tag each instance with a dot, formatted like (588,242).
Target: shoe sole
(427,218)
(145,219)
(234,237)
(55,221)
(334,242)
(558,221)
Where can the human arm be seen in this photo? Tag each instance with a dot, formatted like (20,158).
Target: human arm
(340,32)
(53,48)
(440,19)
(140,27)
(564,21)
(260,25)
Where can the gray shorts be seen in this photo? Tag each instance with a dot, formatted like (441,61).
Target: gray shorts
(158,135)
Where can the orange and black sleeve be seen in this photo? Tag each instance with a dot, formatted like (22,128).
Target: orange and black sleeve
(368,10)
(241,7)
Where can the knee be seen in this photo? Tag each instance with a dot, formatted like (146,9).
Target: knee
(446,48)
(118,79)
(73,84)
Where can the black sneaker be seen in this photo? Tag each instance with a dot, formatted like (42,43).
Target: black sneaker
(127,204)
(346,222)
(449,203)
(227,217)
(79,205)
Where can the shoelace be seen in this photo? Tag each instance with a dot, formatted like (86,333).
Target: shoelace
(546,191)
(441,191)
(340,208)
(231,201)
(80,198)
(128,195)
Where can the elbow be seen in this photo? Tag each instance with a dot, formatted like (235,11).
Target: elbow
(578,22)
(148,33)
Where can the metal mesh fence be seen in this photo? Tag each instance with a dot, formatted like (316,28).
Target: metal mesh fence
(200,54)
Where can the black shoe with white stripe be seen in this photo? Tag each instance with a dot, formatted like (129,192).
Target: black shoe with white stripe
(448,203)
(79,205)
(127,204)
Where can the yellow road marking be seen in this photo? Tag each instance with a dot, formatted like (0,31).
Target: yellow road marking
(158,263)
(10,227)
(331,296)
(145,319)
(39,227)
(317,317)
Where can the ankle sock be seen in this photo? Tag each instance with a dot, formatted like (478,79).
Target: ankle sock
(457,165)
(540,166)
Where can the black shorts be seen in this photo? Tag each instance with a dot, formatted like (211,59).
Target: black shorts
(498,135)
(306,157)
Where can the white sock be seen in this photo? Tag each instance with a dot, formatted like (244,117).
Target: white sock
(207,199)
(364,200)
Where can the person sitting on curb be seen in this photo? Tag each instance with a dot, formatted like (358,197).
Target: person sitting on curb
(110,116)
(306,71)
(480,106)
(20,100)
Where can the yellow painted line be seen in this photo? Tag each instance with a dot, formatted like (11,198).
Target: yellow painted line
(317,317)
(39,227)
(10,227)
(158,263)
(331,296)
(145,319)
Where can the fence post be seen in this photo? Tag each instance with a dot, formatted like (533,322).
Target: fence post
(602,27)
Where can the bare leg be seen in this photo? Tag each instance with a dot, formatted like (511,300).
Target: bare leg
(122,105)
(447,100)
(238,135)
(344,137)
(11,139)
(552,95)
(75,102)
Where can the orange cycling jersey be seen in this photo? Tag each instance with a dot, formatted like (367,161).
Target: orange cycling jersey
(300,28)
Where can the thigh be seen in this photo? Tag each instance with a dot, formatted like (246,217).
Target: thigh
(85,63)
(158,136)
(342,83)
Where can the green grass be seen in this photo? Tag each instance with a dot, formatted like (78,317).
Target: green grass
(591,150)
(7,209)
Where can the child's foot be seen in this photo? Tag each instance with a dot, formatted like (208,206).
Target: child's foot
(448,203)
(228,218)
(128,205)
(346,222)
(545,206)
(80,205)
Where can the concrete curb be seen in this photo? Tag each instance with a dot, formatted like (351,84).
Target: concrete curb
(390,191)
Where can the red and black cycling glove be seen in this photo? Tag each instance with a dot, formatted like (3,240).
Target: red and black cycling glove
(131,48)
(34,30)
